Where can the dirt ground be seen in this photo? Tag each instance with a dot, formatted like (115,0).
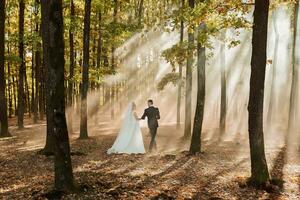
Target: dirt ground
(218,173)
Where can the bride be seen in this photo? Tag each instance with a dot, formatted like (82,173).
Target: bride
(129,139)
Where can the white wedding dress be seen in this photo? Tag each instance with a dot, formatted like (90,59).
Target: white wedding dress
(129,139)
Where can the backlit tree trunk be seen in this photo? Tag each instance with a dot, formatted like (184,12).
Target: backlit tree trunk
(72,65)
(259,168)
(85,71)
(3,104)
(223,86)
(198,120)
(52,11)
(293,93)
(189,81)
(22,72)
(180,74)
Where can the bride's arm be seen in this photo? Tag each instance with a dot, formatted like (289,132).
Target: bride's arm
(135,116)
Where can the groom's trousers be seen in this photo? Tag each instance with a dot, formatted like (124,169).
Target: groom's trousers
(153,132)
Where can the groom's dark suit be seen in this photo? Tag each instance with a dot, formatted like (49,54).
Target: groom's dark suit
(152,115)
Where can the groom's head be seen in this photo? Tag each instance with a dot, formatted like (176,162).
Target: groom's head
(150,102)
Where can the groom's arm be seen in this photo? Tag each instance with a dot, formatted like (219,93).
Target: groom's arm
(158,114)
(144,115)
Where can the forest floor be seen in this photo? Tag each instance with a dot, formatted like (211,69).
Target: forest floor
(217,173)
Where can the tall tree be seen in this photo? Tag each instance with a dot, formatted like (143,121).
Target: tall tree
(189,81)
(140,12)
(274,67)
(3,104)
(37,64)
(180,72)
(259,168)
(22,70)
(223,84)
(293,93)
(198,120)
(99,46)
(53,37)
(113,48)
(72,64)
(85,70)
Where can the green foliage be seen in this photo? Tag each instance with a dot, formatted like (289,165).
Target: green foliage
(168,78)
(177,54)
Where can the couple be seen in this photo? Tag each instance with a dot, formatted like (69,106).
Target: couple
(130,140)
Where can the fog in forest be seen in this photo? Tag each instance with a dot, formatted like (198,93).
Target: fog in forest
(141,66)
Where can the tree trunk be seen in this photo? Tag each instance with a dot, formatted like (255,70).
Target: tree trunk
(10,83)
(72,65)
(259,168)
(54,40)
(113,87)
(22,66)
(27,95)
(140,13)
(50,140)
(274,66)
(99,47)
(14,84)
(293,93)
(32,82)
(198,120)
(3,105)
(85,70)
(223,87)
(37,67)
(189,82)
(180,74)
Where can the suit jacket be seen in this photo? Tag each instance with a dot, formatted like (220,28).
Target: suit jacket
(152,114)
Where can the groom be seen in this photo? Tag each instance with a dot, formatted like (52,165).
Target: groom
(152,114)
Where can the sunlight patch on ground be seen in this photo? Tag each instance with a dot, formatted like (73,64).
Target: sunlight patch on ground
(12,188)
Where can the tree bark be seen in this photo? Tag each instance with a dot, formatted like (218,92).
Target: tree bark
(293,93)
(21,95)
(180,74)
(259,168)
(274,66)
(140,13)
(113,87)
(198,120)
(72,65)
(3,104)
(50,140)
(99,47)
(85,71)
(223,86)
(10,83)
(189,82)
(54,40)
(37,67)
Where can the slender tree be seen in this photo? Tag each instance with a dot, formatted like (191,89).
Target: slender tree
(274,66)
(52,11)
(99,46)
(3,104)
(293,93)
(189,81)
(198,120)
(113,48)
(259,168)
(85,71)
(180,73)
(72,64)
(140,12)
(22,71)
(223,85)
(50,140)
(37,65)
